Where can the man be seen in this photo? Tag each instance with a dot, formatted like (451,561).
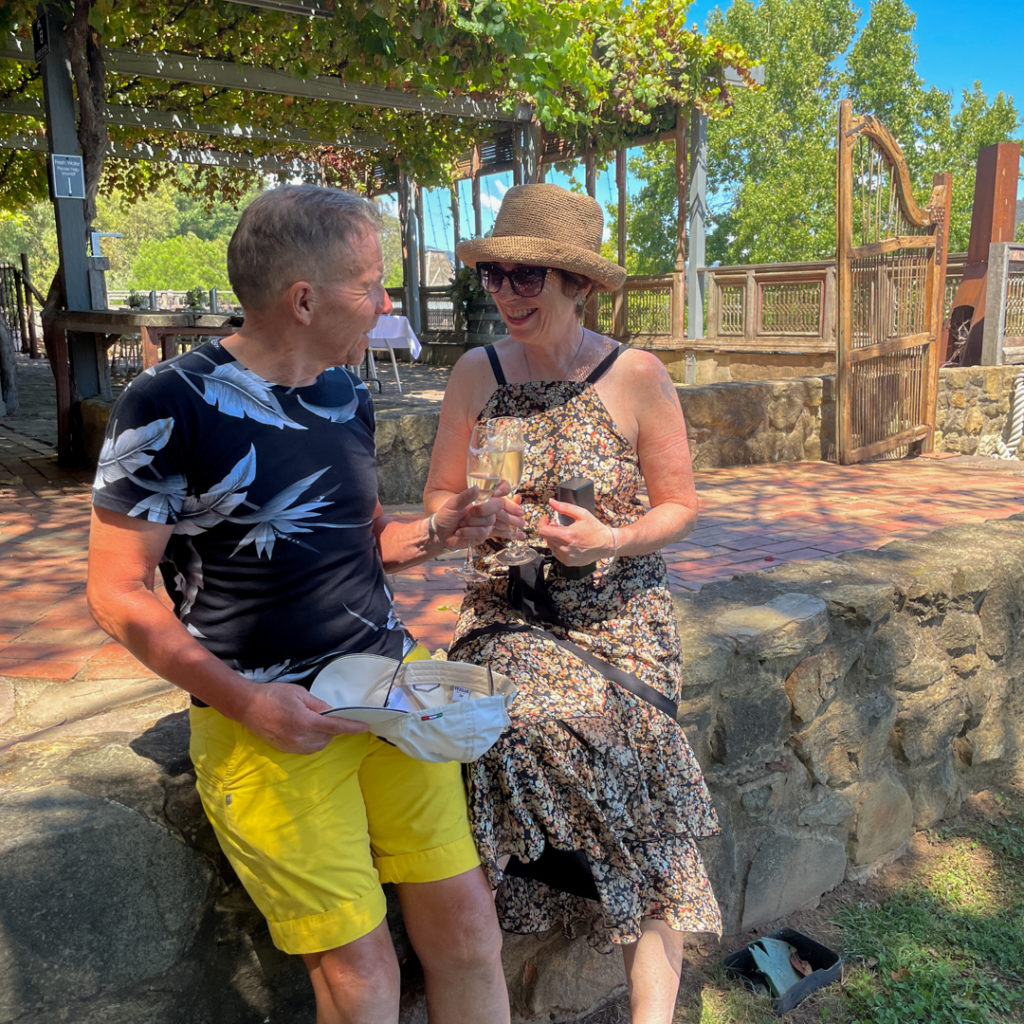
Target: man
(245,471)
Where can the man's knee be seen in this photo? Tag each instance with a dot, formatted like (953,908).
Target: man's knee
(358,973)
(452,923)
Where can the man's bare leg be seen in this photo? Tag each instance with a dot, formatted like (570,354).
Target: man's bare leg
(454,929)
(357,983)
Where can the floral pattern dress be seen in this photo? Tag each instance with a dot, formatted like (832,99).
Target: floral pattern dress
(586,765)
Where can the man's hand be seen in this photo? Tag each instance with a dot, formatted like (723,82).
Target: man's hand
(463,521)
(289,718)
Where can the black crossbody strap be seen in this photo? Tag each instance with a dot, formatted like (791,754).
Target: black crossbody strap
(626,680)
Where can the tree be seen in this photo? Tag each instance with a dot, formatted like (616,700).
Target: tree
(771,169)
(882,80)
(771,164)
(180,263)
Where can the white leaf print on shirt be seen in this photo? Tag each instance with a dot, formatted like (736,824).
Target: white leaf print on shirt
(235,391)
(204,511)
(280,516)
(124,453)
(188,580)
(337,413)
(280,673)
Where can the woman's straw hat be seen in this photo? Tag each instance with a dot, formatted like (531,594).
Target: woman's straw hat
(549,227)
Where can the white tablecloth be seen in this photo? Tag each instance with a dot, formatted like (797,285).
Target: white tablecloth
(394,332)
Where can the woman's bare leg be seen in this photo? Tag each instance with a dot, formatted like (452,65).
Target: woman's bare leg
(653,965)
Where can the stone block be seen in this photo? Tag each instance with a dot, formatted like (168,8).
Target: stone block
(747,722)
(788,872)
(883,824)
(404,444)
(1000,617)
(927,723)
(848,741)
(827,808)
(7,705)
(96,897)
(859,603)
(815,681)
(936,791)
(997,738)
(552,978)
(788,625)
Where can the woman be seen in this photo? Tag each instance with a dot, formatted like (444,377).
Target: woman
(587,810)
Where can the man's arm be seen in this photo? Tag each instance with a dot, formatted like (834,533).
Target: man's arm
(123,557)
(457,523)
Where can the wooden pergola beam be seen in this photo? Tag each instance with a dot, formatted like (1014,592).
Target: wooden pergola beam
(175,121)
(177,67)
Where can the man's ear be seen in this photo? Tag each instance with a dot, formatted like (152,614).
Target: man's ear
(301,297)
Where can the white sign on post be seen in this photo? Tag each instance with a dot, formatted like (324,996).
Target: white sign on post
(68,176)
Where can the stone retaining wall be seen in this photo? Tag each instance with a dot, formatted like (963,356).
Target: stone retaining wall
(747,423)
(835,706)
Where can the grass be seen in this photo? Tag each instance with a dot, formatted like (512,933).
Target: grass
(937,939)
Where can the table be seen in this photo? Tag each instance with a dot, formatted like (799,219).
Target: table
(391,332)
(157,330)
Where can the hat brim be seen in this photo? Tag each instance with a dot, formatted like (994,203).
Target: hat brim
(607,276)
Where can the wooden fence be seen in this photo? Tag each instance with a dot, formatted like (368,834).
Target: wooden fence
(784,308)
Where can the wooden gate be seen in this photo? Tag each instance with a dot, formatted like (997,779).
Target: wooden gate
(891,267)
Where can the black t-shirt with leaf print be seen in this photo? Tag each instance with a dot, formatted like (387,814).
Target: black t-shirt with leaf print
(273,564)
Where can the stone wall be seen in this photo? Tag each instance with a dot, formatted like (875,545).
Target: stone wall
(743,423)
(838,705)
(976,408)
(835,706)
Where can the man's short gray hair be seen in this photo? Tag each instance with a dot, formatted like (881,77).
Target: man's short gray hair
(293,233)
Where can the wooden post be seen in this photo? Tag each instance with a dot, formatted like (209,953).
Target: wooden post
(474,169)
(410,249)
(844,282)
(422,249)
(26,279)
(456,226)
(935,293)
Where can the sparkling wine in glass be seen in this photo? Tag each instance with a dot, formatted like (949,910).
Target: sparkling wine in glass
(508,441)
(480,473)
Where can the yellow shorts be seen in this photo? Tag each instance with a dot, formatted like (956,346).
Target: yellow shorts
(313,836)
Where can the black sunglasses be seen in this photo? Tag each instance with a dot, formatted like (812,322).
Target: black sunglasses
(525,280)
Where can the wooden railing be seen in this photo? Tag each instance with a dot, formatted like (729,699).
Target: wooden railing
(778,307)
(763,307)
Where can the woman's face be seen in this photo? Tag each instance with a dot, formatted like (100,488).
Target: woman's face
(549,313)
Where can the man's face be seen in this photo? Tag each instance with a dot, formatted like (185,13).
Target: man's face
(349,298)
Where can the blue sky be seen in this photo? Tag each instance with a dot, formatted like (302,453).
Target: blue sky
(957,44)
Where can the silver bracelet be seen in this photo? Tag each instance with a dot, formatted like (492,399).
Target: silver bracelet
(615,545)
(432,534)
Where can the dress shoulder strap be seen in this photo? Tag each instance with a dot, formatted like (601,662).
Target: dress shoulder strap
(599,371)
(492,356)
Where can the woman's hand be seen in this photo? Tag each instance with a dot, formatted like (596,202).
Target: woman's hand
(584,540)
(510,521)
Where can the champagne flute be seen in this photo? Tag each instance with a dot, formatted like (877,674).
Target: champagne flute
(508,440)
(480,473)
